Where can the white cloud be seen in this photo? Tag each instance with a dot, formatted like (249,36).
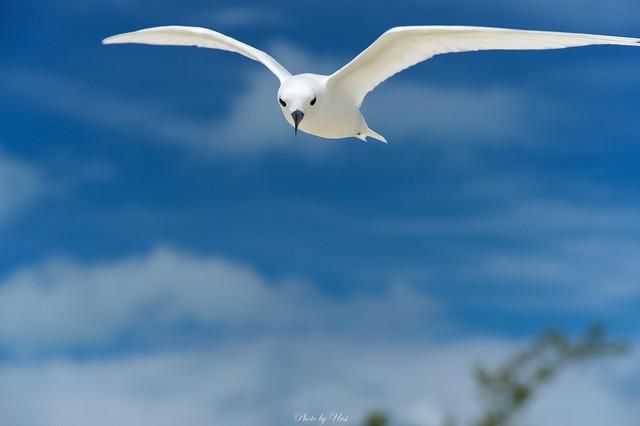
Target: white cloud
(61,303)
(578,15)
(574,256)
(267,381)
(20,186)
(245,16)
(574,273)
(446,114)
(537,218)
(61,96)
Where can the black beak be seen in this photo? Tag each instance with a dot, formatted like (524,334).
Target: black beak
(297,118)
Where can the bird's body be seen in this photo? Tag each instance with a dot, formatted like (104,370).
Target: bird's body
(336,116)
(328,106)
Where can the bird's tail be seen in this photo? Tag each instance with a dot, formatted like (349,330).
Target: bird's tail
(376,136)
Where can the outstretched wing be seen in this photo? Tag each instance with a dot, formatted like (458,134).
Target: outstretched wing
(402,47)
(200,37)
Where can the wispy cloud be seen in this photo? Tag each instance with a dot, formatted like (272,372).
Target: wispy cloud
(575,15)
(247,16)
(540,220)
(576,274)
(20,186)
(447,114)
(554,252)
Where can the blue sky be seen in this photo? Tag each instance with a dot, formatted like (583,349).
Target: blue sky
(166,236)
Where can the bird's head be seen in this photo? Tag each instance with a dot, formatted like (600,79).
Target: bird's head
(297,98)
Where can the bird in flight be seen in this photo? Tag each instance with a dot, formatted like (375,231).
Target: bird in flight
(328,106)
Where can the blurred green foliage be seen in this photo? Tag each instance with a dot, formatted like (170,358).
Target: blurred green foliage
(377,419)
(507,389)
(510,387)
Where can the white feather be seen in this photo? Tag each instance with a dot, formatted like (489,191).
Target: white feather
(402,47)
(200,37)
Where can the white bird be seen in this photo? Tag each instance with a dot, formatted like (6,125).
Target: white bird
(329,105)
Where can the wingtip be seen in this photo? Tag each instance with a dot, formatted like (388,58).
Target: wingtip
(376,136)
(108,40)
(116,39)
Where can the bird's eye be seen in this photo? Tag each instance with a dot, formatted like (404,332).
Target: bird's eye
(283,103)
(313,101)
